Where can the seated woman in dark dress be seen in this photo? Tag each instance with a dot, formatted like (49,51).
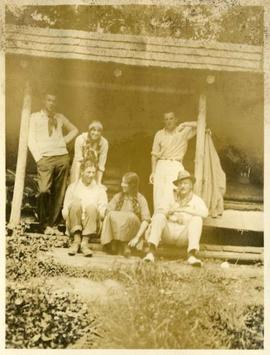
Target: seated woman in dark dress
(127,217)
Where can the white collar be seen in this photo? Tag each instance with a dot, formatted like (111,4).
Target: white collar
(45,114)
(92,185)
(170,132)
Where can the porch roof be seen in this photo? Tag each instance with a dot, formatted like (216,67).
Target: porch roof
(133,50)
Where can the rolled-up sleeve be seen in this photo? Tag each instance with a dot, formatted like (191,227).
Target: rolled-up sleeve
(104,147)
(189,132)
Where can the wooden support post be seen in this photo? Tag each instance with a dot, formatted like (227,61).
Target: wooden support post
(200,139)
(21,159)
(266,160)
(267,131)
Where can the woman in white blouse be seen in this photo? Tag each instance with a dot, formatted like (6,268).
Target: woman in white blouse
(92,146)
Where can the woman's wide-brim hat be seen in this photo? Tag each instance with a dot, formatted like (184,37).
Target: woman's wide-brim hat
(183,175)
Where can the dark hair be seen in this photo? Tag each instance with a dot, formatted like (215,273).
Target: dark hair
(87,164)
(133,182)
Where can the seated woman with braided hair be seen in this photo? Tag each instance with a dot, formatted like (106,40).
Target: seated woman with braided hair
(127,217)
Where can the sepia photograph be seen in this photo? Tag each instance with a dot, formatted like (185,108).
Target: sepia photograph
(134,174)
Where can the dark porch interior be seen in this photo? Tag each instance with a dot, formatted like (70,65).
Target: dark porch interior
(131,116)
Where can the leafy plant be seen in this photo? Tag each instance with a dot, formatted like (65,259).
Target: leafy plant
(38,318)
(235,161)
(22,254)
(29,194)
(240,328)
(158,308)
(224,21)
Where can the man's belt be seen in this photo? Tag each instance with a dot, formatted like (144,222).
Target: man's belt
(179,161)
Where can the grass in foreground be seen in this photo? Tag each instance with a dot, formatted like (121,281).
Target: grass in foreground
(155,309)
(163,310)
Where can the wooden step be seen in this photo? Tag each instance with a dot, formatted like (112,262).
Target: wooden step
(224,252)
(243,206)
(211,251)
(239,220)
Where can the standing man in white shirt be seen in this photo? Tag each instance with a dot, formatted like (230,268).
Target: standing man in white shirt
(85,206)
(48,145)
(180,224)
(169,148)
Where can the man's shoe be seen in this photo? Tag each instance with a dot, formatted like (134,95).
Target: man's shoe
(74,249)
(149,258)
(84,247)
(193,261)
(86,251)
(75,246)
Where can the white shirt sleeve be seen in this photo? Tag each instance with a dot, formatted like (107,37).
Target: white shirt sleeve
(103,154)
(102,201)
(188,131)
(78,148)
(201,207)
(156,145)
(67,201)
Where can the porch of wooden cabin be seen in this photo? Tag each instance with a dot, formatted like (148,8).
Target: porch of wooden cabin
(131,99)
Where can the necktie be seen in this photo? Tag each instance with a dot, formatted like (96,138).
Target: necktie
(52,124)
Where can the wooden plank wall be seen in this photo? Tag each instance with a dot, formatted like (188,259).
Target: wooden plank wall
(133,50)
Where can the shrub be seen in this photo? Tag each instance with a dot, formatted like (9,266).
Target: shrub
(240,327)
(38,318)
(22,251)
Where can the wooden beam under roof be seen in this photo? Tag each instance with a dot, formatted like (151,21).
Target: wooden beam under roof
(124,87)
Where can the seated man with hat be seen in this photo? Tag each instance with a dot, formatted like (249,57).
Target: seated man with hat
(182,223)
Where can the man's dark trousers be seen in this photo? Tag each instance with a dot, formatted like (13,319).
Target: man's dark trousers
(52,182)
